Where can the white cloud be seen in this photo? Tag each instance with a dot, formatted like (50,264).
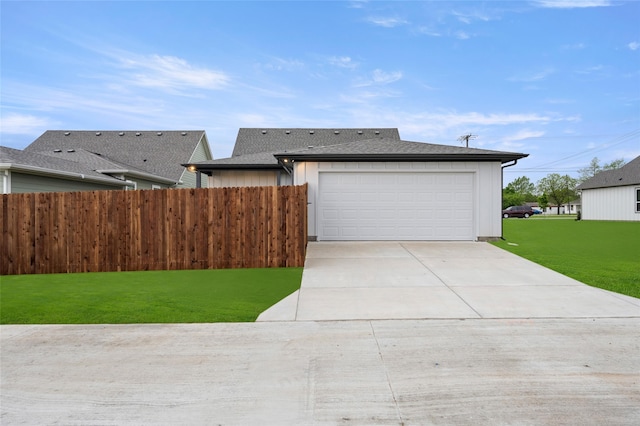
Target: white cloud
(343,62)
(357,4)
(534,76)
(428,31)
(523,134)
(571,4)
(634,45)
(559,101)
(467,18)
(461,35)
(576,46)
(279,64)
(24,124)
(387,22)
(594,70)
(171,73)
(379,77)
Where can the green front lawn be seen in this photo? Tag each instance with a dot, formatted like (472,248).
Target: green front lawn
(601,254)
(222,295)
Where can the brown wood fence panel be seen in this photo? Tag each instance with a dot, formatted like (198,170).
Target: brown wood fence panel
(104,231)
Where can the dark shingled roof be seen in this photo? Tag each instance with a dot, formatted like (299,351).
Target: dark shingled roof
(31,162)
(340,145)
(251,141)
(391,149)
(260,160)
(159,153)
(629,174)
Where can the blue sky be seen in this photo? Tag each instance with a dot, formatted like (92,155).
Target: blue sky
(558,79)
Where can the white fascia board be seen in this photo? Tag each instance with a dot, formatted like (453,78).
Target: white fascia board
(60,173)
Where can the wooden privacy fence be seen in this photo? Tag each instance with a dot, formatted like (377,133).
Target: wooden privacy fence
(101,231)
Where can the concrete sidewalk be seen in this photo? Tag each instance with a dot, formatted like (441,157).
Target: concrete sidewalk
(378,334)
(437,280)
(402,372)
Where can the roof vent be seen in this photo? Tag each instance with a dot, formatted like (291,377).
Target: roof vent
(138,134)
(57,150)
(67,133)
(359,132)
(98,133)
(336,132)
(71,150)
(377,132)
(311,132)
(288,132)
(121,133)
(159,133)
(310,147)
(264,132)
(184,133)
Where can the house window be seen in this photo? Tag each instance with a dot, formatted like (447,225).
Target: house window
(637,200)
(155,186)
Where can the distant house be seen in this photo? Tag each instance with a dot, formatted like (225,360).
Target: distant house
(97,160)
(253,163)
(368,184)
(572,207)
(613,194)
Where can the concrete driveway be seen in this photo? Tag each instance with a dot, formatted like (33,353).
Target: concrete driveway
(437,280)
(379,333)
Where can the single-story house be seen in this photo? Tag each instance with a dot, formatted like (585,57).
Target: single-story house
(97,160)
(32,172)
(613,194)
(368,184)
(572,207)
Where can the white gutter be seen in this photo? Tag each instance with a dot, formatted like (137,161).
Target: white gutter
(56,173)
(139,174)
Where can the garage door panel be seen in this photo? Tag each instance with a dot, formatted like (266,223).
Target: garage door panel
(395,205)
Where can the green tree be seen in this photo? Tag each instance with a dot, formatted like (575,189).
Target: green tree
(594,168)
(543,201)
(524,187)
(510,198)
(558,189)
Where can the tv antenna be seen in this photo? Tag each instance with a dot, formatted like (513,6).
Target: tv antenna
(466,138)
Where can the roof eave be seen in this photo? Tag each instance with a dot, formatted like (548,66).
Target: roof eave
(502,157)
(139,174)
(59,173)
(212,167)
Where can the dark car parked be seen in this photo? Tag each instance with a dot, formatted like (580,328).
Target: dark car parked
(517,211)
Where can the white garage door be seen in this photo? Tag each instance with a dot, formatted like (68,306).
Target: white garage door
(395,206)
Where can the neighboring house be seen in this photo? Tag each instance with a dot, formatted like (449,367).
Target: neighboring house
(368,184)
(31,172)
(253,163)
(90,160)
(613,194)
(572,207)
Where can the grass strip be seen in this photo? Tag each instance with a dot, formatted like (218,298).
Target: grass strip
(598,253)
(219,295)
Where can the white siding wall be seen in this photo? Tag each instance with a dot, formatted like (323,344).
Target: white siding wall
(617,203)
(488,192)
(228,178)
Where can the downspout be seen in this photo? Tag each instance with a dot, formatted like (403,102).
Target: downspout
(504,166)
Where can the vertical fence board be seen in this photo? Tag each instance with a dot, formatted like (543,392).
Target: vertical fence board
(153,229)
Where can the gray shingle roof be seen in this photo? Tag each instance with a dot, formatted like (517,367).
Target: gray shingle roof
(33,162)
(260,160)
(629,174)
(159,153)
(391,149)
(340,144)
(251,141)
